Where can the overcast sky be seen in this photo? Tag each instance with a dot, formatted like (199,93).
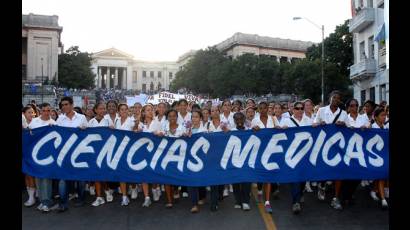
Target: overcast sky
(162,30)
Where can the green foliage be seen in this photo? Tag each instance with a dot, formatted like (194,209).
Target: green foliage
(74,69)
(210,72)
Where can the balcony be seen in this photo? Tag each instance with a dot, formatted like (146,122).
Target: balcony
(363,69)
(363,19)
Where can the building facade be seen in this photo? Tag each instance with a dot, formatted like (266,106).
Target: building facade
(283,50)
(41,45)
(370,72)
(116,69)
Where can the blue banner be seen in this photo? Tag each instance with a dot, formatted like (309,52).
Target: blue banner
(269,155)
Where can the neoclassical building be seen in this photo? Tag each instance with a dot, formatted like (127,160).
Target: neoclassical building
(41,44)
(116,69)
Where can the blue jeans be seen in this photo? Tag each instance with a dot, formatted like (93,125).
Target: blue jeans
(45,191)
(196,194)
(296,190)
(63,190)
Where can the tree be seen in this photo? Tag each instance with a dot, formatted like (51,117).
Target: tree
(74,69)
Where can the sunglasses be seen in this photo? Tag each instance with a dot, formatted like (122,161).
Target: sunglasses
(298,108)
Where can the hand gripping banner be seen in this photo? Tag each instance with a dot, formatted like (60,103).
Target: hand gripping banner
(269,155)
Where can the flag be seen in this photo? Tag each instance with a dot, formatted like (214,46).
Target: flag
(381,34)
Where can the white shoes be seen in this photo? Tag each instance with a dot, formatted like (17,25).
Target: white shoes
(147,202)
(386,192)
(125,201)
(176,195)
(226,192)
(156,193)
(384,204)
(30,202)
(374,196)
(184,194)
(134,193)
(230,188)
(108,195)
(92,190)
(237,206)
(99,201)
(307,187)
(245,207)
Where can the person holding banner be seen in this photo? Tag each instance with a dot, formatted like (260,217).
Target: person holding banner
(197,194)
(261,122)
(228,122)
(296,120)
(72,119)
(206,112)
(379,185)
(215,126)
(100,121)
(241,190)
(184,119)
(123,122)
(137,111)
(112,112)
(172,129)
(45,185)
(160,113)
(28,115)
(345,189)
(150,125)
(330,114)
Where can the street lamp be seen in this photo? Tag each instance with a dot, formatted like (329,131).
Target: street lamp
(42,81)
(323,52)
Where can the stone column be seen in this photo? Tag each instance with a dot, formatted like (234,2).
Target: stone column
(129,77)
(108,77)
(116,78)
(278,58)
(124,78)
(99,77)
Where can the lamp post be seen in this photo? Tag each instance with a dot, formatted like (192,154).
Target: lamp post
(42,82)
(322,28)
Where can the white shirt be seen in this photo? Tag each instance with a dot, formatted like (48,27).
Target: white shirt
(201,129)
(212,127)
(154,126)
(38,122)
(280,122)
(181,120)
(361,120)
(286,114)
(312,118)
(326,115)
(289,123)
(178,132)
(270,123)
(24,121)
(78,120)
(103,123)
(229,120)
(235,129)
(163,121)
(127,125)
(376,126)
(111,122)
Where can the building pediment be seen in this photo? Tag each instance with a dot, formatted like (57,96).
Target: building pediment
(112,53)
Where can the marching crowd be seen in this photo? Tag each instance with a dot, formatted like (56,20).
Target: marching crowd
(185,118)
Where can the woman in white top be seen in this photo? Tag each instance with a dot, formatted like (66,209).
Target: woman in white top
(262,122)
(137,111)
(112,108)
(297,119)
(379,116)
(150,125)
(197,194)
(278,111)
(226,115)
(206,113)
(250,115)
(270,108)
(123,122)
(184,115)
(308,105)
(100,121)
(28,113)
(172,129)
(160,113)
(251,103)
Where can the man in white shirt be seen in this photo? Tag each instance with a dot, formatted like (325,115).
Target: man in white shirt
(74,120)
(45,185)
(330,114)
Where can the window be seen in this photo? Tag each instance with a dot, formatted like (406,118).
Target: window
(372,94)
(371,47)
(361,50)
(144,73)
(159,74)
(370,3)
(144,87)
(159,85)
(151,86)
(151,74)
(382,92)
(362,96)
(170,75)
(283,59)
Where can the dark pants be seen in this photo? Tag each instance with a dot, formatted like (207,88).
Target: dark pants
(348,188)
(196,193)
(297,191)
(216,194)
(242,192)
